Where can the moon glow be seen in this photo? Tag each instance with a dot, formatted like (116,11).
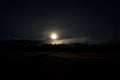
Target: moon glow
(54,36)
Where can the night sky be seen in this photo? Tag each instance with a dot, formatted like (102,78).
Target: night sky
(92,21)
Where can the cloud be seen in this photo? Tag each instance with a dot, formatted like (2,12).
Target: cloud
(73,40)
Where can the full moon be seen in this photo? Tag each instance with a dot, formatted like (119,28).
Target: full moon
(54,36)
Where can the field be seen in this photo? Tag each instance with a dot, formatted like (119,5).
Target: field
(56,63)
(56,58)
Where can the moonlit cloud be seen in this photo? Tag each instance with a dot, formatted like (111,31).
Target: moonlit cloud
(73,40)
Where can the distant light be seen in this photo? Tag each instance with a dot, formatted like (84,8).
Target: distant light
(54,36)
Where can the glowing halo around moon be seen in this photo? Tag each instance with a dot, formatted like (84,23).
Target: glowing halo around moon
(54,36)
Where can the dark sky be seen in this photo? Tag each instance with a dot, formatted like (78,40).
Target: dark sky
(96,20)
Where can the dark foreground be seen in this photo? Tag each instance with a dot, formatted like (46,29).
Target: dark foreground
(55,63)
(24,52)
(54,58)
